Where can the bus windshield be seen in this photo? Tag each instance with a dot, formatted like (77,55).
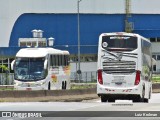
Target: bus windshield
(118,42)
(29,69)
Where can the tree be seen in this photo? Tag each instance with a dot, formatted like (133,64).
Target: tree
(6,70)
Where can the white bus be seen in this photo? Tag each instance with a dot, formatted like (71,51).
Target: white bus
(124,67)
(41,69)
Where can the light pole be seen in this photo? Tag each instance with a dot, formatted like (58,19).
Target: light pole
(79,58)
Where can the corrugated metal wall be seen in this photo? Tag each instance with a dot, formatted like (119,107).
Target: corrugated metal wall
(63,27)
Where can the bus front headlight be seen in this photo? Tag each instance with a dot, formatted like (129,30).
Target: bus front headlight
(15,83)
(41,83)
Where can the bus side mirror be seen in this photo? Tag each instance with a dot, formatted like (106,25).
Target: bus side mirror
(45,64)
(12,65)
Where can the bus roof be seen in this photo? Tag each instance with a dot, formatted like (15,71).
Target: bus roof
(119,33)
(39,52)
(124,33)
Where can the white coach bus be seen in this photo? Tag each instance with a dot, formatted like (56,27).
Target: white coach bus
(41,69)
(124,67)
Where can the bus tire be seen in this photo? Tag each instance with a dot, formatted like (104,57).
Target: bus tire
(136,100)
(49,86)
(111,100)
(142,99)
(150,94)
(146,100)
(63,85)
(103,98)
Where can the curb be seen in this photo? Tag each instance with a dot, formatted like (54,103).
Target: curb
(45,93)
(74,98)
(72,95)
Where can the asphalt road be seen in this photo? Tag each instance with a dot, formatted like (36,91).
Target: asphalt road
(86,110)
(155,98)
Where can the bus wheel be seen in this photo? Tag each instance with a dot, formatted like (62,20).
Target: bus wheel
(146,100)
(150,94)
(49,86)
(136,100)
(143,93)
(103,98)
(63,85)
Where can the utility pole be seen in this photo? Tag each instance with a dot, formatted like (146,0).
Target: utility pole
(79,58)
(128,25)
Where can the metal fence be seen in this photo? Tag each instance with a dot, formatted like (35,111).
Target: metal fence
(6,79)
(156,77)
(86,77)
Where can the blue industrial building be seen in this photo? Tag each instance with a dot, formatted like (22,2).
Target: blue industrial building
(59,19)
(63,27)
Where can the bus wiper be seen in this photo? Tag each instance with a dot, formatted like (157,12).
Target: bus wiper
(111,53)
(120,54)
(128,54)
(108,58)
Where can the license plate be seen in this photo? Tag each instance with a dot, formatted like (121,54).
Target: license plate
(118,80)
(28,88)
(118,83)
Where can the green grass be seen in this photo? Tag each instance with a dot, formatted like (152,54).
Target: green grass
(81,87)
(72,87)
(6,89)
(156,78)
(2,101)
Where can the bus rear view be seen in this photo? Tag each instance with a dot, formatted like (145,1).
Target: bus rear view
(124,67)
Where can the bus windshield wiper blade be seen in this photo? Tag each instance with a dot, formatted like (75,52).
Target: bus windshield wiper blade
(122,54)
(111,53)
(128,53)
(134,55)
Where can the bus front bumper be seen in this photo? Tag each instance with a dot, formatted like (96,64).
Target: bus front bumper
(122,91)
(29,88)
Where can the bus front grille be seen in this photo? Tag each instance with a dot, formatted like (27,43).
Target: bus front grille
(119,67)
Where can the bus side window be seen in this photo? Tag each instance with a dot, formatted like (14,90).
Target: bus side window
(53,60)
(50,60)
(56,60)
(60,60)
(63,63)
(66,60)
